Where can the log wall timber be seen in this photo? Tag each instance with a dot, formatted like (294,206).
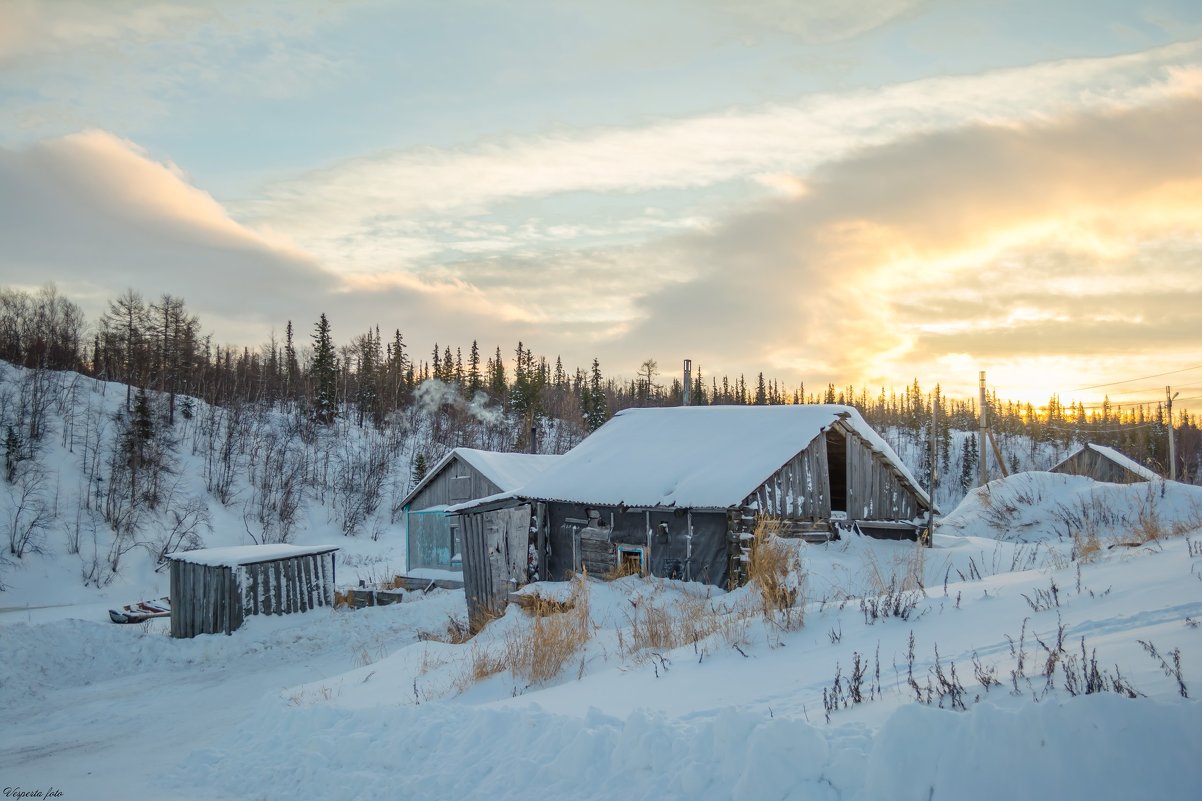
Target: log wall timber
(216,599)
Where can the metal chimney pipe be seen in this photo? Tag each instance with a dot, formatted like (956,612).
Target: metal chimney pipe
(688,382)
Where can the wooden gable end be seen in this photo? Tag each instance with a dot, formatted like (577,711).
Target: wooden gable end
(456,482)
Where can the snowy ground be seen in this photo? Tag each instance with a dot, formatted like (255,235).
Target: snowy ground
(345,705)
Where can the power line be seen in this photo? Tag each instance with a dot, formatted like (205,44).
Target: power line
(1086,428)
(1142,378)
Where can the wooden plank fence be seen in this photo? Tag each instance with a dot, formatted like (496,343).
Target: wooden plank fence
(216,599)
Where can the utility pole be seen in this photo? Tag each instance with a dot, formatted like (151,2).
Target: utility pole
(934,474)
(688,382)
(1172,437)
(981,444)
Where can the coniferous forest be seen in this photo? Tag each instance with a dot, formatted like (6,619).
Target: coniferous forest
(352,421)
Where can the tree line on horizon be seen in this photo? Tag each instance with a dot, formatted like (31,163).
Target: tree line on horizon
(159,346)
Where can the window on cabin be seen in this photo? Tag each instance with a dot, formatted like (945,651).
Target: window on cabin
(630,561)
(461,488)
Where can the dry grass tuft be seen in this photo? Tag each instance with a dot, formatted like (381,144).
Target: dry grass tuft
(538,652)
(1086,546)
(482,663)
(905,572)
(537,605)
(776,569)
(455,632)
(654,627)
(1148,527)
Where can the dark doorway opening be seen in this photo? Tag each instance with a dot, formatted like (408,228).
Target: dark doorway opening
(836,461)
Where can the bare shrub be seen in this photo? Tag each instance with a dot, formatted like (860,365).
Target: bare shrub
(27,512)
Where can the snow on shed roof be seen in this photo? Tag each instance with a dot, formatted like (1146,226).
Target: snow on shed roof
(1121,459)
(247,554)
(694,457)
(508,471)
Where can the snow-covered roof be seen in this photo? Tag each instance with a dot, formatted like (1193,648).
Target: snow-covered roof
(693,457)
(247,554)
(508,471)
(1122,460)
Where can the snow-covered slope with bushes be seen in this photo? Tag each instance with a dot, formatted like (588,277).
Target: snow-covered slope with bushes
(989,666)
(1048,646)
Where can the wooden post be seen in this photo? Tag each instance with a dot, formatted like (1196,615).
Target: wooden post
(997,454)
(1172,436)
(934,473)
(983,463)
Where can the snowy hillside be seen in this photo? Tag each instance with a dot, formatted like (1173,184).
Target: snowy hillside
(1007,661)
(110,482)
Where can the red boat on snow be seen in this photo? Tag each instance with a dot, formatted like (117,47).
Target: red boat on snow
(141,611)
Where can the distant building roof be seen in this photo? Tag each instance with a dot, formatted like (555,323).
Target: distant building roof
(692,457)
(1122,460)
(508,471)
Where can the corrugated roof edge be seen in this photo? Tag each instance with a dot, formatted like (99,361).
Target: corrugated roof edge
(231,556)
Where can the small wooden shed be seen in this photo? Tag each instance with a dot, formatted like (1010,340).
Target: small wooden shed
(1105,464)
(214,589)
(464,474)
(675,493)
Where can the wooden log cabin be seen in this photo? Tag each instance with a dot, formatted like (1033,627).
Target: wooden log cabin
(213,590)
(1105,464)
(463,474)
(675,492)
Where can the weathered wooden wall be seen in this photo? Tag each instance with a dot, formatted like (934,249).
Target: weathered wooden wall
(457,482)
(677,543)
(798,491)
(215,599)
(874,489)
(496,547)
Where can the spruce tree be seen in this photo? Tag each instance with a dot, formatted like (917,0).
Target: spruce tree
(596,410)
(473,370)
(419,469)
(325,373)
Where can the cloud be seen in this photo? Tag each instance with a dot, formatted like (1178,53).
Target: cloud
(1013,217)
(718,156)
(96,214)
(94,211)
(1076,237)
(32,27)
(819,21)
